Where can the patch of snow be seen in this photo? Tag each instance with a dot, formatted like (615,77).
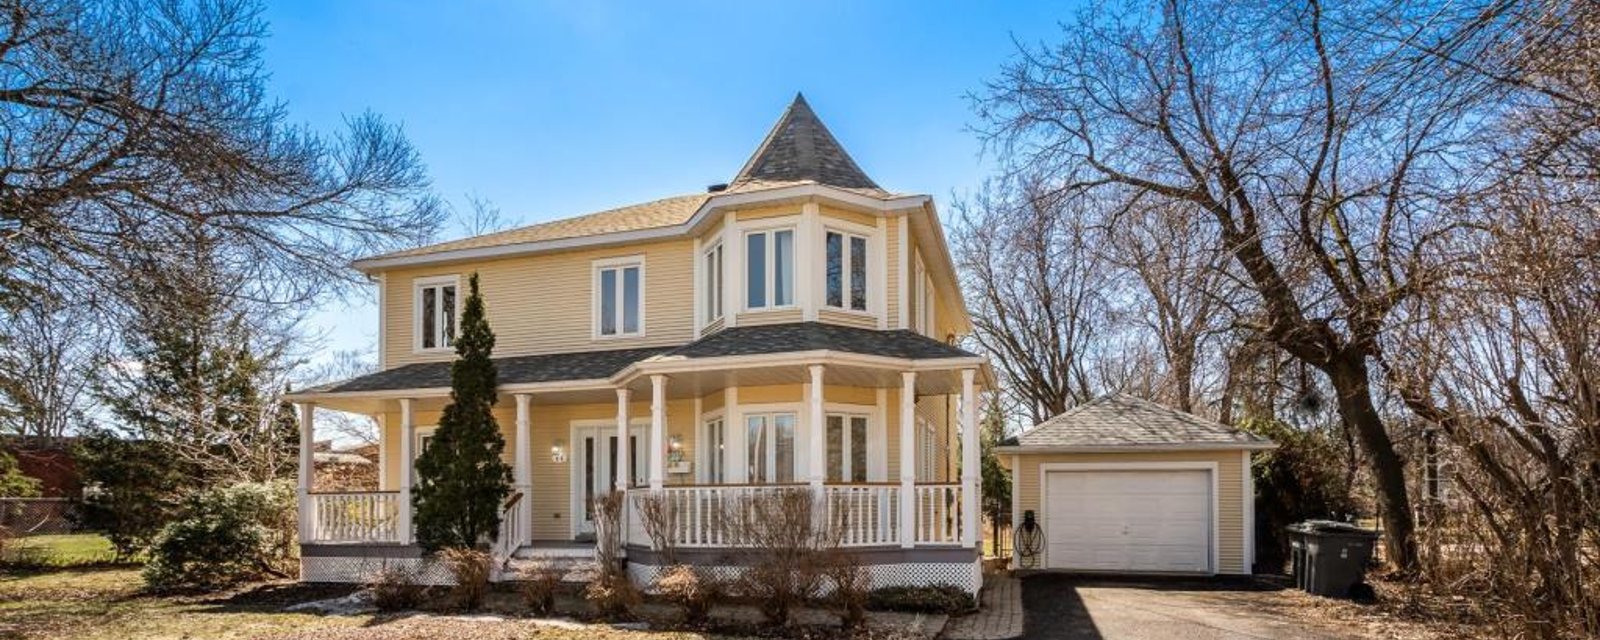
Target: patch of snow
(356,603)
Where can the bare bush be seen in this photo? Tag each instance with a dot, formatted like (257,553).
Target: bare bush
(607,511)
(658,513)
(693,589)
(395,589)
(850,585)
(788,543)
(470,568)
(539,588)
(613,595)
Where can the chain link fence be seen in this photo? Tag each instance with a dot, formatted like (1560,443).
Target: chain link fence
(37,516)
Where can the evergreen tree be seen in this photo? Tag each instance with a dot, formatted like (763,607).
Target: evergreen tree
(996,479)
(461,479)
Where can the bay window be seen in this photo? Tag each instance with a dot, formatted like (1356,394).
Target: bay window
(769,269)
(846,270)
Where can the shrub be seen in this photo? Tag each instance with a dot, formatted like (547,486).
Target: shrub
(692,589)
(1301,479)
(789,550)
(470,568)
(133,488)
(395,589)
(939,598)
(539,589)
(849,596)
(613,595)
(226,536)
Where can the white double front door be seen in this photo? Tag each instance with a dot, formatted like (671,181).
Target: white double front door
(595,466)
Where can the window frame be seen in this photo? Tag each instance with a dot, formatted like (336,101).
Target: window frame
(846,262)
(847,447)
(619,264)
(770,270)
(418,285)
(769,447)
(708,450)
(715,282)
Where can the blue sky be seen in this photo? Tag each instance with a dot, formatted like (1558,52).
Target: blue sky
(556,109)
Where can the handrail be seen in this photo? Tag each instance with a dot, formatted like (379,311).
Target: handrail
(511,500)
(345,493)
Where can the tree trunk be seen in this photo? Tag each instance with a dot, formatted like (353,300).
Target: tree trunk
(1348,374)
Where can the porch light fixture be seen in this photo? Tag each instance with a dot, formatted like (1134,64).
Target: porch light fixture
(674,448)
(558,452)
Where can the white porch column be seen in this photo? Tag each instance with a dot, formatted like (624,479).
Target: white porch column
(306,471)
(737,452)
(624,469)
(408,441)
(817,456)
(908,463)
(524,460)
(658,427)
(969,459)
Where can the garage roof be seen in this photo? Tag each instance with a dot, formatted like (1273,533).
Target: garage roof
(1118,422)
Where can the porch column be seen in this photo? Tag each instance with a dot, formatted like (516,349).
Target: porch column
(658,425)
(524,459)
(817,459)
(908,463)
(408,440)
(969,459)
(306,472)
(624,469)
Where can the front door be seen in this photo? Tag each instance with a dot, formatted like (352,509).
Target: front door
(595,468)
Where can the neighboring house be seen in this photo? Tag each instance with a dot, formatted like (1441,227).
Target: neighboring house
(794,327)
(48,460)
(1125,485)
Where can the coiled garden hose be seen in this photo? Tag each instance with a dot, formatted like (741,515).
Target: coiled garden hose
(1028,541)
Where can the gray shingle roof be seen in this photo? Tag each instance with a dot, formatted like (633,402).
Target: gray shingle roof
(814,336)
(590,365)
(1120,421)
(800,148)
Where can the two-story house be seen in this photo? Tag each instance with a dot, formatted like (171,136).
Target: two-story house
(794,327)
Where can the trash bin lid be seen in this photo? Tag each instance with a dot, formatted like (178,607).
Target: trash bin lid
(1334,527)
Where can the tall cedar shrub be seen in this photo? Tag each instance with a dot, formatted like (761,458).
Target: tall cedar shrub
(461,479)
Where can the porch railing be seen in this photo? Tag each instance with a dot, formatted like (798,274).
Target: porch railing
(938,513)
(372,516)
(864,515)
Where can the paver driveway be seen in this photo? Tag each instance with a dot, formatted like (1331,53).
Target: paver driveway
(1082,608)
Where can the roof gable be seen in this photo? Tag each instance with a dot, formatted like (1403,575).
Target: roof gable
(1122,421)
(799,148)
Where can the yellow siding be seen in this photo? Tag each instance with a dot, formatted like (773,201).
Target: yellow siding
(848,318)
(543,303)
(1230,491)
(857,217)
(760,213)
(892,255)
(781,316)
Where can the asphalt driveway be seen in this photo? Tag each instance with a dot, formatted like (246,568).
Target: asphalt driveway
(1067,607)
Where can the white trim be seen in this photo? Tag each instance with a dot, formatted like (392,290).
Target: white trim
(700,291)
(1248,481)
(1016,508)
(383,322)
(1196,446)
(1215,534)
(848,231)
(383,453)
(770,269)
(881,247)
(425,282)
(420,433)
(808,245)
(603,428)
(705,293)
(904,258)
(847,411)
(619,264)
(878,438)
(703,449)
(738,466)
(701,216)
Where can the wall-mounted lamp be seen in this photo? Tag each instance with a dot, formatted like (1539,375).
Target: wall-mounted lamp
(674,449)
(558,451)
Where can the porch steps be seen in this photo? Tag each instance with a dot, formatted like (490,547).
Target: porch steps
(576,563)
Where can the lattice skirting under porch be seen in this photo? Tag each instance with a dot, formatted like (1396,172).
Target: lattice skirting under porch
(965,575)
(360,569)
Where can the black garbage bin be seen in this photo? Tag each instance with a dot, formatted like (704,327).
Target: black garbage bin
(1329,557)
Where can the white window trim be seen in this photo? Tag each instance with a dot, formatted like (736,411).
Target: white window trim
(618,263)
(706,451)
(420,434)
(801,436)
(771,272)
(867,413)
(713,294)
(417,285)
(846,231)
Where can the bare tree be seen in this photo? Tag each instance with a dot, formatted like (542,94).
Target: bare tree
(126,125)
(1037,284)
(1305,137)
(47,354)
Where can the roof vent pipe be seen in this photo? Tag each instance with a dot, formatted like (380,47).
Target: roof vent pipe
(717,188)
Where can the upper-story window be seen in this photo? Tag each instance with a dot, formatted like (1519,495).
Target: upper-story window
(436,310)
(713,270)
(847,271)
(618,297)
(769,268)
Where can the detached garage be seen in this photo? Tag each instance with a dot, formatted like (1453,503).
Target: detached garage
(1124,485)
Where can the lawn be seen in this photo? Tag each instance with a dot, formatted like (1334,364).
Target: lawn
(64,550)
(106,603)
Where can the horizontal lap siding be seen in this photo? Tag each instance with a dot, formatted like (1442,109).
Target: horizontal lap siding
(544,303)
(1230,491)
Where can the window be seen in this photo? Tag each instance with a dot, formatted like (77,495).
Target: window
(619,287)
(713,269)
(847,448)
(436,312)
(769,269)
(771,446)
(847,271)
(716,442)
(928,453)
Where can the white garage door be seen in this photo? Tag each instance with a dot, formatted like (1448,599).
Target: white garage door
(1155,521)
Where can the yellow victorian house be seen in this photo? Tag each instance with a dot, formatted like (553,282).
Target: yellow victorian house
(795,327)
